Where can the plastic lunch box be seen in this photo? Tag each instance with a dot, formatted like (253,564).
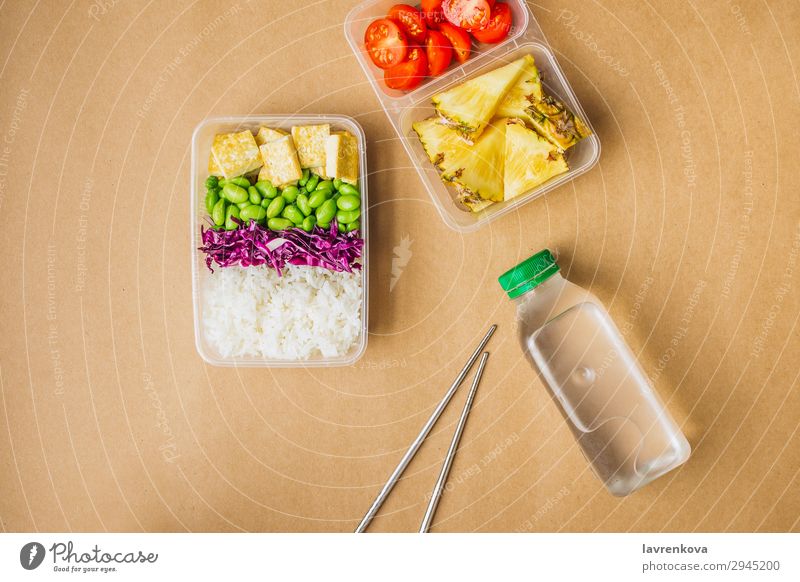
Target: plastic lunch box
(201,148)
(403,109)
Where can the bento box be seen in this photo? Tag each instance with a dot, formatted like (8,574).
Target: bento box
(206,289)
(404,109)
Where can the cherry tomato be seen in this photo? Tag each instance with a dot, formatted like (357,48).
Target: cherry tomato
(432,12)
(411,21)
(498,26)
(459,38)
(439,52)
(386,44)
(468,14)
(408,74)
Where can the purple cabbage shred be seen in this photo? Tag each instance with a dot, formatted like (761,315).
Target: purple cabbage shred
(257,245)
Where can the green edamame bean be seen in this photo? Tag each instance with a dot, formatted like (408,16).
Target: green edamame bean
(326,212)
(240,181)
(324,225)
(355,225)
(302,204)
(230,213)
(347,202)
(265,202)
(308,223)
(337,183)
(211,200)
(304,179)
(349,190)
(293,214)
(254,212)
(311,185)
(275,207)
(244,204)
(234,193)
(211,182)
(325,185)
(342,227)
(290,193)
(218,213)
(317,199)
(266,189)
(279,224)
(255,195)
(347,216)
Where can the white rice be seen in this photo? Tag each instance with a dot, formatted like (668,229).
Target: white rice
(308,312)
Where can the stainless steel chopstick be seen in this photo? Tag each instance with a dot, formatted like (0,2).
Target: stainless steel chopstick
(412,450)
(436,494)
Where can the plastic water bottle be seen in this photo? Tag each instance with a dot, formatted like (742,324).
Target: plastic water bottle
(619,422)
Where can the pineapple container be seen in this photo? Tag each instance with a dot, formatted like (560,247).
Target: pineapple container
(408,110)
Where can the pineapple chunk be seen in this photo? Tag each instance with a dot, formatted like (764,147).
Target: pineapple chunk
(471,105)
(527,101)
(480,170)
(551,118)
(266,134)
(310,143)
(472,201)
(475,170)
(280,162)
(234,154)
(341,157)
(530,160)
(527,90)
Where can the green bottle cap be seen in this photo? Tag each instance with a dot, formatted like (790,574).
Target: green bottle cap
(529,273)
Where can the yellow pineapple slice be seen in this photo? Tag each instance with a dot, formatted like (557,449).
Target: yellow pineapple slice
(469,106)
(476,170)
(530,160)
(551,118)
(527,90)
(547,115)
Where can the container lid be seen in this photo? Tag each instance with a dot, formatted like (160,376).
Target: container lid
(531,272)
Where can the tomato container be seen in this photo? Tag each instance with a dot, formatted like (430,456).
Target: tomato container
(201,148)
(405,108)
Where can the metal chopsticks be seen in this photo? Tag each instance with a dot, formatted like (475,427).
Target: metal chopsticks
(436,494)
(412,450)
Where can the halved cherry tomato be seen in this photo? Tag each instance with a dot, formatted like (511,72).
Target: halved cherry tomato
(408,74)
(468,14)
(498,27)
(459,38)
(432,12)
(439,51)
(386,44)
(411,21)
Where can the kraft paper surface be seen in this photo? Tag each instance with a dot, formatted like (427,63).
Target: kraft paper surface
(688,229)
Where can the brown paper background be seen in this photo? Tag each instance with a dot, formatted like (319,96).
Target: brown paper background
(111,421)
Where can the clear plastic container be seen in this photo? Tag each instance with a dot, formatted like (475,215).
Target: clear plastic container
(201,148)
(403,109)
(622,427)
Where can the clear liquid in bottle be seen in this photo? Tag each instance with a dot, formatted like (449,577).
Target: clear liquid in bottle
(620,424)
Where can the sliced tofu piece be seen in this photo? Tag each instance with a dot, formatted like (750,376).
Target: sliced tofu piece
(213,168)
(310,143)
(235,153)
(281,165)
(267,134)
(341,155)
(320,171)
